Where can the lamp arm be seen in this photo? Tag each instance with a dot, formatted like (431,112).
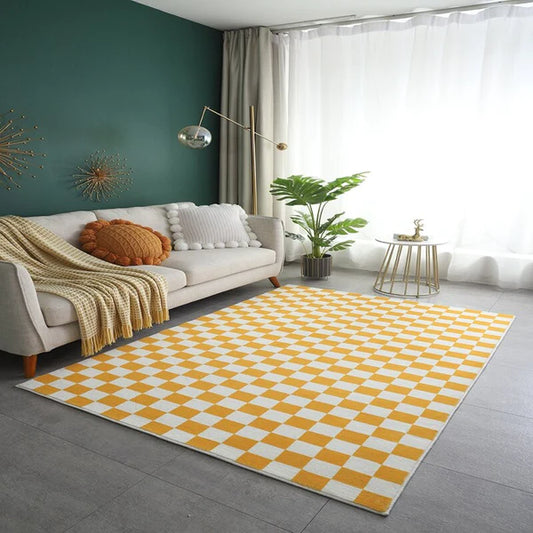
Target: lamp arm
(279,146)
(203,114)
(207,108)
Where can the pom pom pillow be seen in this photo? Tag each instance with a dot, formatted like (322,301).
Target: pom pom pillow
(124,243)
(210,226)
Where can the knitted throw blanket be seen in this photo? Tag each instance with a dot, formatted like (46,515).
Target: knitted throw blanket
(110,301)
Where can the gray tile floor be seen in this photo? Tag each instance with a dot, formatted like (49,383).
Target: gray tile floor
(65,470)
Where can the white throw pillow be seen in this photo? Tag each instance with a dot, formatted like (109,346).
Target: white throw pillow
(210,226)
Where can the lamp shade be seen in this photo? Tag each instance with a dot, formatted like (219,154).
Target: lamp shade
(194,136)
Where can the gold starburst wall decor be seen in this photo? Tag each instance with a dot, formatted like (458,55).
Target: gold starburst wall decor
(103,177)
(15,157)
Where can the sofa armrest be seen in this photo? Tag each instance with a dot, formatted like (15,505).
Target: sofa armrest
(22,326)
(270,232)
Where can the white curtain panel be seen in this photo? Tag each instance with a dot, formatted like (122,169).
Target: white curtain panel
(439,109)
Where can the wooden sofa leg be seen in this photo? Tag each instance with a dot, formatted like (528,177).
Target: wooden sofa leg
(30,365)
(274,281)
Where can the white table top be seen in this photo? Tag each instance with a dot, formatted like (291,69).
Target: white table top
(429,242)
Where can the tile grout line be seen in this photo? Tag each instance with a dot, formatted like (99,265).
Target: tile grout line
(530,493)
(508,365)
(157,478)
(497,300)
(181,488)
(317,513)
(101,507)
(497,410)
(503,364)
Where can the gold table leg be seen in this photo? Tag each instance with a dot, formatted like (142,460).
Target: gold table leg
(425,273)
(395,268)
(383,271)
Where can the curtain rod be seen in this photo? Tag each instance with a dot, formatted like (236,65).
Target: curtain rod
(354,19)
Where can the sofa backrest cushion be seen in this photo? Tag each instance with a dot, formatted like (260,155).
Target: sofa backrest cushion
(153,216)
(66,225)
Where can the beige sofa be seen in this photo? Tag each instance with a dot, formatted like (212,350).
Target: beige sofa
(33,322)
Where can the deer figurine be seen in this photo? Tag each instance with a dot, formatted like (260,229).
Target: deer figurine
(416,237)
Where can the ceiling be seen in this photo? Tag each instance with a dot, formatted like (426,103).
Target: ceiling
(235,14)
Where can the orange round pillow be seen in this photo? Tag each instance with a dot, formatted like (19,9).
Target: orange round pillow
(124,243)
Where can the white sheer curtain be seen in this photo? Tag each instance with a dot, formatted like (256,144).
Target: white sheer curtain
(439,109)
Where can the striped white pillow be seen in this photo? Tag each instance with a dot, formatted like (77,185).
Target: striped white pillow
(210,226)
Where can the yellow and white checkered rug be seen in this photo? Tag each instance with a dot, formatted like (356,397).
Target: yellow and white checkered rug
(336,392)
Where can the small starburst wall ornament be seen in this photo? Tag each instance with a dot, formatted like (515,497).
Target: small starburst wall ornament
(103,177)
(14,156)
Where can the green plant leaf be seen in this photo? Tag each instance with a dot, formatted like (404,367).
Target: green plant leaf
(317,241)
(299,190)
(339,186)
(305,221)
(340,246)
(302,219)
(295,236)
(327,224)
(347,226)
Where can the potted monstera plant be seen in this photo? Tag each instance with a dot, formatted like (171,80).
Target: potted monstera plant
(324,233)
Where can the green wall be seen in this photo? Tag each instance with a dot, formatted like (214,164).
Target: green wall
(108,75)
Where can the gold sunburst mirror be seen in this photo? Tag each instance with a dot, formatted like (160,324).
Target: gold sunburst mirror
(15,156)
(104,176)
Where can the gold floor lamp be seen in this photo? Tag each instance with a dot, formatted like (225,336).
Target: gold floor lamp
(199,137)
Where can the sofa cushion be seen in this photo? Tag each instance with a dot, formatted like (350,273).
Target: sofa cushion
(66,225)
(210,226)
(153,216)
(58,310)
(206,265)
(124,243)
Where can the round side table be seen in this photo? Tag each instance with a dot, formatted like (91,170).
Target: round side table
(409,269)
